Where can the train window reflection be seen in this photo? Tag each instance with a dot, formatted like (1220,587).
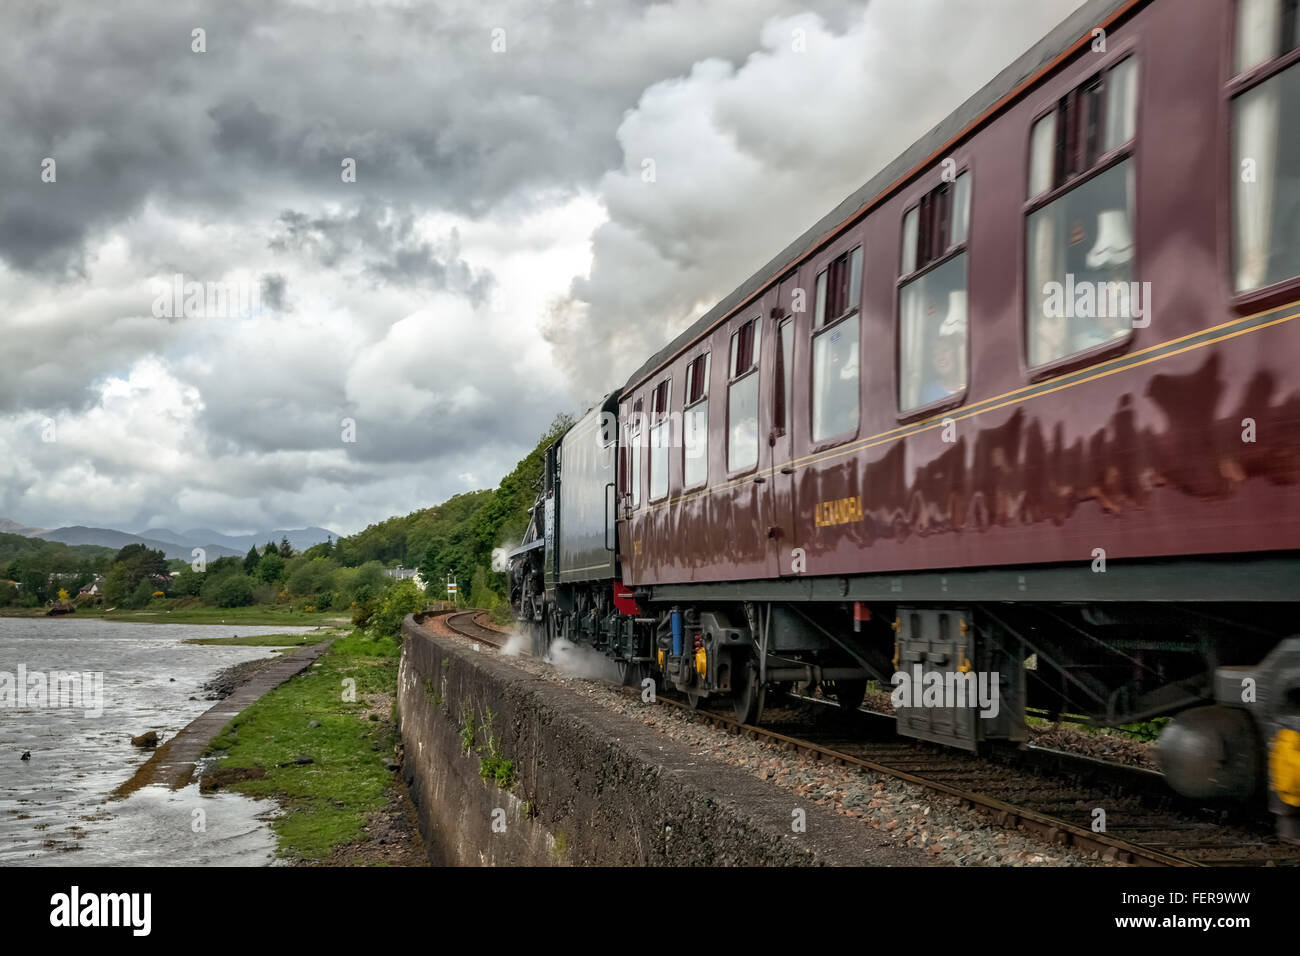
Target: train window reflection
(695,423)
(835,380)
(1080,267)
(634,440)
(1266,29)
(660,439)
(932,321)
(1266,177)
(933,335)
(742,423)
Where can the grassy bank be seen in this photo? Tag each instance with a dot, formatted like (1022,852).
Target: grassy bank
(267,640)
(255,615)
(327,801)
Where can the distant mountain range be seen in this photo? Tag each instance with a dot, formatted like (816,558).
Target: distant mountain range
(13,527)
(172,544)
(300,539)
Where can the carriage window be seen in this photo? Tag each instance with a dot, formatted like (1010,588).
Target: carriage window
(1266,149)
(835,379)
(784,371)
(937,225)
(911,229)
(695,422)
(932,301)
(744,348)
(1266,30)
(742,398)
(1121,104)
(1081,248)
(1086,125)
(839,287)
(1042,155)
(835,347)
(635,435)
(660,439)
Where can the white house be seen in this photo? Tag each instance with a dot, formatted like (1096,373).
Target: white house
(403,574)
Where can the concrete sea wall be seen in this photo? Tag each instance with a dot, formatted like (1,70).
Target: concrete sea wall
(586,785)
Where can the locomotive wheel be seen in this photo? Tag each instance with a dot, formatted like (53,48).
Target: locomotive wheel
(850,694)
(548,637)
(631,673)
(747,699)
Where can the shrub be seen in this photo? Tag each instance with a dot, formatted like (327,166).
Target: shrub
(311,578)
(270,568)
(236,590)
(362,613)
(141,596)
(402,599)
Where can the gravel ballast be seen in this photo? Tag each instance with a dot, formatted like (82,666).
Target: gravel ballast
(910,815)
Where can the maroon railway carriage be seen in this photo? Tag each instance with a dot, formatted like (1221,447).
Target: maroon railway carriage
(1026,405)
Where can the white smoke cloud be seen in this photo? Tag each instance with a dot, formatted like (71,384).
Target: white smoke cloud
(746,158)
(577,660)
(517,643)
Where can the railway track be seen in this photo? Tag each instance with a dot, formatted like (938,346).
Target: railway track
(1050,793)
(463,623)
(1044,788)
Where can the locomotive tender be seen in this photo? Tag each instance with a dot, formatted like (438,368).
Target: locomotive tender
(1026,405)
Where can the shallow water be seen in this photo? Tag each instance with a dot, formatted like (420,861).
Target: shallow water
(54,808)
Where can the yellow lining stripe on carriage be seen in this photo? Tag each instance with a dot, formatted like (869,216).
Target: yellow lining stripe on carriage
(1120,363)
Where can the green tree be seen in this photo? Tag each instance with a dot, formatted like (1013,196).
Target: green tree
(286,549)
(34,578)
(251,559)
(312,578)
(369,583)
(218,571)
(142,561)
(270,569)
(223,566)
(188,583)
(270,548)
(235,590)
(481,593)
(117,584)
(142,594)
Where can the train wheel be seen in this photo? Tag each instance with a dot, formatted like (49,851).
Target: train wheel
(850,694)
(631,673)
(547,637)
(747,700)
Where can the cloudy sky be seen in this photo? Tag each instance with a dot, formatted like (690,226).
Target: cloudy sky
(498,258)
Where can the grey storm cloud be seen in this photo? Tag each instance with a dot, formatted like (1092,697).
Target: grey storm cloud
(381,295)
(274,290)
(393,251)
(415,94)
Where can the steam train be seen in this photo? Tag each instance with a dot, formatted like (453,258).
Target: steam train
(1026,405)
